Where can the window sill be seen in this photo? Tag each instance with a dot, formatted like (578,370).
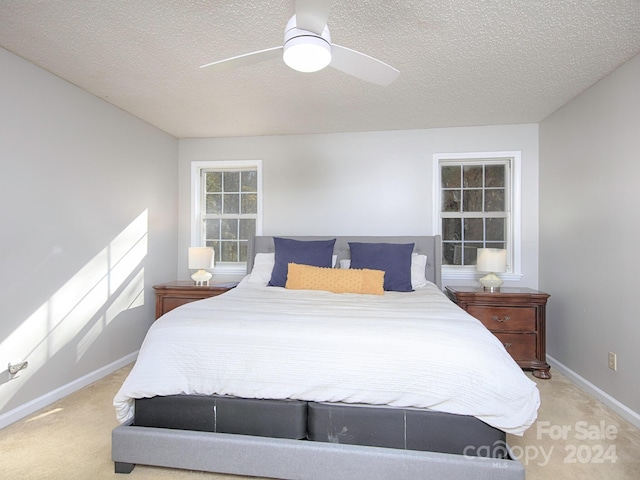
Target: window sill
(220,270)
(474,276)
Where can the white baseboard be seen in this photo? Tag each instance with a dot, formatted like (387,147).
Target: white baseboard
(36,404)
(618,407)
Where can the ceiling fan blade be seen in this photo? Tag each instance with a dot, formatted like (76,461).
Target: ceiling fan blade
(246,59)
(362,66)
(312,15)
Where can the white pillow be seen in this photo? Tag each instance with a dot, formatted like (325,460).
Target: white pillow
(418,266)
(262,267)
(263,264)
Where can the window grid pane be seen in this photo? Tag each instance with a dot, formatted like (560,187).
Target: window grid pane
(249,203)
(473,176)
(213,203)
(231,181)
(230,212)
(494,200)
(231,203)
(249,181)
(213,183)
(451,176)
(472,200)
(473,209)
(494,176)
(451,201)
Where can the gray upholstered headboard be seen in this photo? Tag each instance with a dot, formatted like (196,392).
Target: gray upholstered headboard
(429,246)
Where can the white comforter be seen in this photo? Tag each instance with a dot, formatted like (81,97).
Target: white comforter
(402,349)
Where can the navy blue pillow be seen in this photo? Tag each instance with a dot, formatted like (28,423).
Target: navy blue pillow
(317,253)
(393,258)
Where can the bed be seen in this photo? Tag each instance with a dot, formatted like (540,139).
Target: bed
(303,383)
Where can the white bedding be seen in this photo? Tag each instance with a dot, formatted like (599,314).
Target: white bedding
(402,349)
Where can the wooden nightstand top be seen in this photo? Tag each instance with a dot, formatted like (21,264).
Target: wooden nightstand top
(190,285)
(511,292)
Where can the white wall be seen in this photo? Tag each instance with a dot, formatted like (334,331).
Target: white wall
(88,209)
(376,183)
(589,233)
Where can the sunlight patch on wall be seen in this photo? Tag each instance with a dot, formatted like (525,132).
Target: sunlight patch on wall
(131,296)
(126,252)
(77,302)
(107,285)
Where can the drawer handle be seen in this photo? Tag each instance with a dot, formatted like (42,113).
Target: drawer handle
(507,345)
(506,318)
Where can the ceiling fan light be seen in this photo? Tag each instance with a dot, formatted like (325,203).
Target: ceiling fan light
(307,53)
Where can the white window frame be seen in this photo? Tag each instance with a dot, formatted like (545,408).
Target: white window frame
(222,268)
(514,203)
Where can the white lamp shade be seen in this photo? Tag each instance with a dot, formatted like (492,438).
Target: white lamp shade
(492,260)
(200,258)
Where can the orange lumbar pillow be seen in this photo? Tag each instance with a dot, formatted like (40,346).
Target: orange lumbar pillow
(336,280)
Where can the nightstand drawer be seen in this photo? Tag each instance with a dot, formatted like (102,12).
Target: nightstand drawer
(521,346)
(169,303)
(516,316)
(505,319)
(174,294)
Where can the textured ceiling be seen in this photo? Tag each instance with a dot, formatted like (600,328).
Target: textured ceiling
(462,63)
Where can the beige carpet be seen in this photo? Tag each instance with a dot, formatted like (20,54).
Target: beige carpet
(575,437)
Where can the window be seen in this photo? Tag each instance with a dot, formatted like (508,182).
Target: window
(227,210)
(476,207)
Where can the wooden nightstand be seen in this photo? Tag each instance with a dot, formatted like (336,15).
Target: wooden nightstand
(173,294)
(516,316)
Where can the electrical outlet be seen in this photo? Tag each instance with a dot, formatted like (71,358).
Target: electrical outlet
(15,368)
(613,361)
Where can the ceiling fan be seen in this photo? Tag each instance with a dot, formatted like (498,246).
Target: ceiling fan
(307,48)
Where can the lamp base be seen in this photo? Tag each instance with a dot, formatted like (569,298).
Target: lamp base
(201,277)
(491,282)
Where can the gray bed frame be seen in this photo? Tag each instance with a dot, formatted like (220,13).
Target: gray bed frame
(298,459)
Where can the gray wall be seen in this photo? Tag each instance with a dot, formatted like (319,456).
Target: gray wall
(88,209)
(372,183)
(589,234)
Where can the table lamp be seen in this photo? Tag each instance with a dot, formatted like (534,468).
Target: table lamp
(201,259)
(491,260)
